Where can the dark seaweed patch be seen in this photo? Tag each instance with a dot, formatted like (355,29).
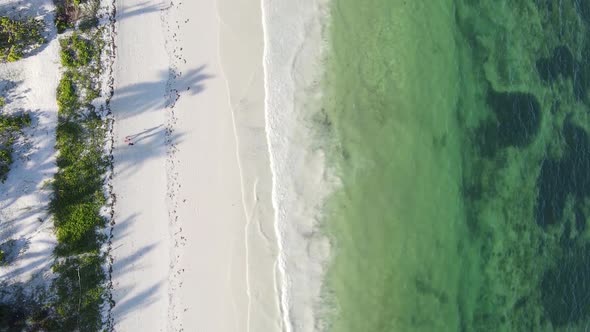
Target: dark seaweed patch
(560,178)
(565,289)
(518,117)
(561,62)
(552,192)
(577,159)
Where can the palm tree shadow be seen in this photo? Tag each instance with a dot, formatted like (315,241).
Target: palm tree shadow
(137,10)
(135,100)
(132,100)
(130,297)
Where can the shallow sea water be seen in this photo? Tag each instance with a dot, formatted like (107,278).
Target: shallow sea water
(459,130)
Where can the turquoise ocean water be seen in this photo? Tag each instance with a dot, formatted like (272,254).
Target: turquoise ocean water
(460,134)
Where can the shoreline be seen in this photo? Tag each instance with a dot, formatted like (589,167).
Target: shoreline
(302,180)
(243,34)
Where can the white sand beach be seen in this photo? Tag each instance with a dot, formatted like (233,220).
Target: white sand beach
(194,247)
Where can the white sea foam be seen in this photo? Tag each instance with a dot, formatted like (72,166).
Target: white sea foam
(294,44)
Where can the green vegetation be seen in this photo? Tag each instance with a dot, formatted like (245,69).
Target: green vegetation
(10,127)
(78,195)
(67,98)
(76,51)
(76,295)
(78,186)
(19,37)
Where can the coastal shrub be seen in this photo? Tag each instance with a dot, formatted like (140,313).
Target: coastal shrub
(76,51)
(19,37)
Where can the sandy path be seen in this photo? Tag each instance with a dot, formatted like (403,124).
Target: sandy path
(187,255)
